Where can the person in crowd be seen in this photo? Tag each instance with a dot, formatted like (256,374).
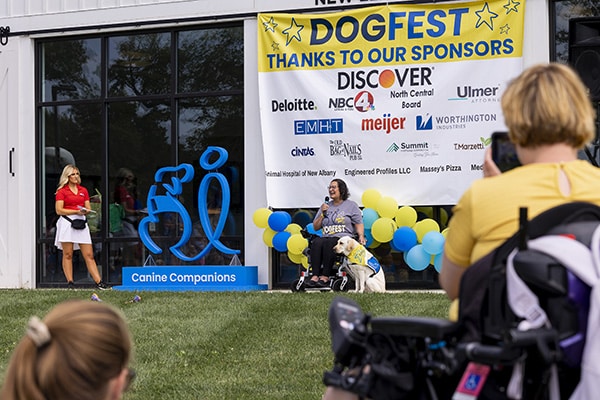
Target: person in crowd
(125,195)
(337,217)
(549,117)
(73,203)
(81,350)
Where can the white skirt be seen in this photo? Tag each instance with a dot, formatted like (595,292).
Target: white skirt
(66,234)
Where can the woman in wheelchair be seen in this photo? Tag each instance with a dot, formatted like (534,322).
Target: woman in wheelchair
(550,118)
(337,217)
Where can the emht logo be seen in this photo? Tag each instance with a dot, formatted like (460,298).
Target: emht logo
(414,76)
(318,126)
(386,123)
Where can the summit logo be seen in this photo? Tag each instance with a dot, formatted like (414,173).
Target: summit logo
(393,148)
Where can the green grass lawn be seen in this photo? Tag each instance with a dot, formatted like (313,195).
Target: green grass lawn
(229,345)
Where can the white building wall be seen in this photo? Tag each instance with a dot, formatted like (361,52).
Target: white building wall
(31,19)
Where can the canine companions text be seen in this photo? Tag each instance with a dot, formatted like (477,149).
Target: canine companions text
(363,267)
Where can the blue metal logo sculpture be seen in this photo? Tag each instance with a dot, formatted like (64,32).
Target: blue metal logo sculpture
(168,203)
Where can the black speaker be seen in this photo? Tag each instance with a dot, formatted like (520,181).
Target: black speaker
(584,52)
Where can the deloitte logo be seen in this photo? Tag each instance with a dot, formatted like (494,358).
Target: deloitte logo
(393,148)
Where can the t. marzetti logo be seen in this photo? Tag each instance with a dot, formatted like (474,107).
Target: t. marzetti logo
(293,105)
(386,123)
(318,126)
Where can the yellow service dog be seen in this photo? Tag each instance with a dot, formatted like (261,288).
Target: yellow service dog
(363,267)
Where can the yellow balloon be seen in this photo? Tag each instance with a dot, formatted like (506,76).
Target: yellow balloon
(445,232)
(293,228)
(406,216)
(443,217)
(261,217)
(295,258)
(305,262)
(424,226)
(387,207)
(383,230)
(268,236)
(296,243)
(374,244)
(426,210)
(370,197)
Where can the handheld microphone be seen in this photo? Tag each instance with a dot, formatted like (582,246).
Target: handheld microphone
(326,200)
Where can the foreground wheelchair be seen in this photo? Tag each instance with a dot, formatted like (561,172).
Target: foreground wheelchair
(522,329)
(339,280)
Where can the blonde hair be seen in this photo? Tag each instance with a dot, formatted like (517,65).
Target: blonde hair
(85,345)
(548,104)
(64,177)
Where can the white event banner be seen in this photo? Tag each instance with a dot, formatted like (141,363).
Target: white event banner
(398,98)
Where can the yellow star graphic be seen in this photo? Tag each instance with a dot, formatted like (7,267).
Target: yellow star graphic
(504,29)
(270,25)
(511,6)
(293,32)
(485,17)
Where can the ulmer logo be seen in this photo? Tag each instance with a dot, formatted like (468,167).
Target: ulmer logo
(386,123)
(424,123)
(318,126)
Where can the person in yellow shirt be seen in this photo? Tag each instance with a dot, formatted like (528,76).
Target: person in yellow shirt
(549,118)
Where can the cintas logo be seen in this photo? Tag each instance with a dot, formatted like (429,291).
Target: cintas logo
(302,152)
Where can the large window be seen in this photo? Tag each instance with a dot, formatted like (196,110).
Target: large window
(122,106)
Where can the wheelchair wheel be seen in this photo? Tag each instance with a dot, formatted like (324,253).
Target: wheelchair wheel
(340,285)
(298,286)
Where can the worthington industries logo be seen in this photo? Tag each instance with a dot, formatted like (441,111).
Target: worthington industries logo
(424,123)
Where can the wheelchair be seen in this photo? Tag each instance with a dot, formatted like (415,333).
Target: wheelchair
(495,350)
(339,281)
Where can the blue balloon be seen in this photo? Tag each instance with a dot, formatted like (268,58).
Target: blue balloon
(280,241)
(369,216)
(417,258)
(310,228)
(404,238)
(302,218)
(368,237)
(433,242)
(279,220)
(437,262)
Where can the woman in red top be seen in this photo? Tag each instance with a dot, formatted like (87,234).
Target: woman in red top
(73,201)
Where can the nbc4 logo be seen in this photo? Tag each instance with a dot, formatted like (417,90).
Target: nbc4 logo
(424,123)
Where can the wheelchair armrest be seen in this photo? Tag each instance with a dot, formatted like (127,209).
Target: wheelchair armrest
(422,327)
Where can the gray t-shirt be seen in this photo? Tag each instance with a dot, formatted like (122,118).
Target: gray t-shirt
(340,219)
